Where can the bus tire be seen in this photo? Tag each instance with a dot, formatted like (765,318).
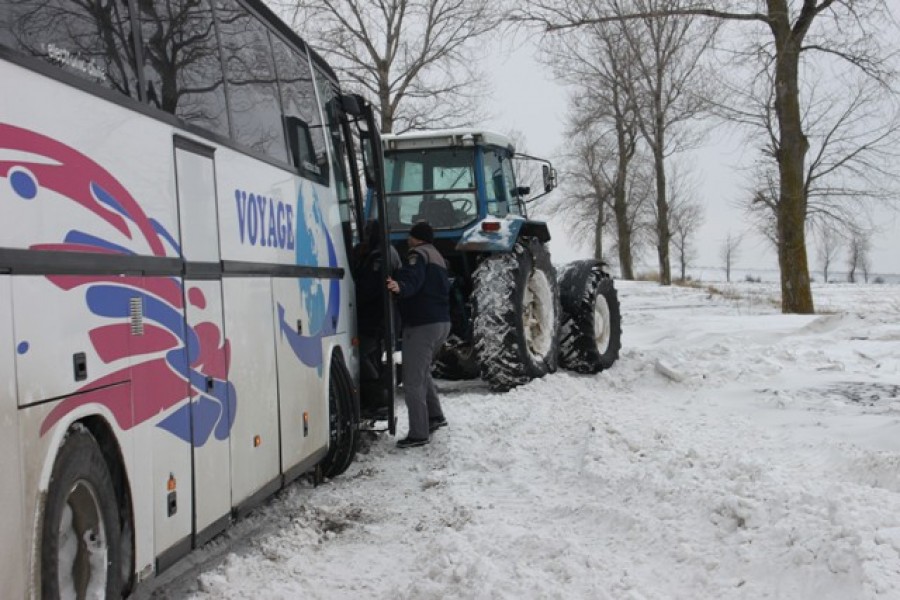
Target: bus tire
(591,331)
(343,433)
(80,542)
(516,326)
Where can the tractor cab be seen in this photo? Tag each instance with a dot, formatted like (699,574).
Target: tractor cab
(452,179)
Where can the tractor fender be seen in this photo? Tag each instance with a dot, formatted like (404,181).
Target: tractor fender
(493,234)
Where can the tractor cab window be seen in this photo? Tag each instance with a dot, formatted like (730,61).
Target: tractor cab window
(516,201)
(437,186)
(496,189)
(500,184)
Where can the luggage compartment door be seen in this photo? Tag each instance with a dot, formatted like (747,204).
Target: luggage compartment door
(212,395)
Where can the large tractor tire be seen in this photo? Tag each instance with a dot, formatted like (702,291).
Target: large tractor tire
(81,554)
(591,331)
(456,360)
(343,432)
(516,324)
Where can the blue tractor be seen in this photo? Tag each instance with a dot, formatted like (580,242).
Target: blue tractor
(514,317)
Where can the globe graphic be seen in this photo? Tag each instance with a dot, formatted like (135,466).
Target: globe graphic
(310,246)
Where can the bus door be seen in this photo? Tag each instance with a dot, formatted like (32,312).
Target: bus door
(364,130)
(212,398)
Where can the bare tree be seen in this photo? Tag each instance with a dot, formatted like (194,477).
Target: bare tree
(829,243)
(865,262)
(858,249)
(851,37)
(601,65)
(586,193)
(587,202)
(686,217)
(605,147)
(418,57)
(852,131)
(666,51)
(729,252)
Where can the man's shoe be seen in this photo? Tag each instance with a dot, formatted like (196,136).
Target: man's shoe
(409,442)
(436,423)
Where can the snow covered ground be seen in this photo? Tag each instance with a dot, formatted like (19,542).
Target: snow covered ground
(732,452)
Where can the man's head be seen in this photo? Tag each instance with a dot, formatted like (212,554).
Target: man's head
(422,232)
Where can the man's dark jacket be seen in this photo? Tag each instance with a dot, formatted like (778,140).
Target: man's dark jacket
(424,287)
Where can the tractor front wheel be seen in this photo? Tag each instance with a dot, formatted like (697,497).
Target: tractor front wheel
(591,319)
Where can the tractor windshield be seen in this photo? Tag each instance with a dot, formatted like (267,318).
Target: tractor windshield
(434,185)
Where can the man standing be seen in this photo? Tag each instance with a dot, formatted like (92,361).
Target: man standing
(424,290)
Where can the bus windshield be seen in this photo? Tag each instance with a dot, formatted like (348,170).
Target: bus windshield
(437,186)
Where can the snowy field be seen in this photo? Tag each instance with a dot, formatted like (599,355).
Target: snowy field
(732,452)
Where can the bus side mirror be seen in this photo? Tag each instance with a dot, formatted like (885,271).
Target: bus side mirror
(351,104)
(300,143)
(549,178)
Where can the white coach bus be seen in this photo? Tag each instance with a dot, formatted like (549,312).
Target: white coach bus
(178,200)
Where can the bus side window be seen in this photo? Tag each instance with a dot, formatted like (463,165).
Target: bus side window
(181,62)
(89,39)
(253,106)
(301,112)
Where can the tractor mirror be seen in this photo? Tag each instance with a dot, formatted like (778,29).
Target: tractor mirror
(549,178)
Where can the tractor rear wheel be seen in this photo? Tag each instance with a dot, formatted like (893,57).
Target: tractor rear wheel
(591,331)
(516,324)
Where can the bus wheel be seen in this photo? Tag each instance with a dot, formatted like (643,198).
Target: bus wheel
(343,433)
(80,545)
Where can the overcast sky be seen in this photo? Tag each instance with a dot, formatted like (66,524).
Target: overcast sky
(527,99)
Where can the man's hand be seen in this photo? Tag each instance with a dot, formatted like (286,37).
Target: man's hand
(393,286)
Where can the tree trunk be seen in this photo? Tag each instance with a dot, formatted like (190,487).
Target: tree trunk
(598,231)
(796,293)
(623,227)
(662,215)
(384,99)
(626,262)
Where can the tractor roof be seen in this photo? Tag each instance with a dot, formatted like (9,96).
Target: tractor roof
(444,138)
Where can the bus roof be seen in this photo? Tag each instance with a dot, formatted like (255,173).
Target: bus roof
(442,138)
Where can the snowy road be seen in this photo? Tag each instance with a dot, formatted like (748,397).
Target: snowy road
(732,452)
